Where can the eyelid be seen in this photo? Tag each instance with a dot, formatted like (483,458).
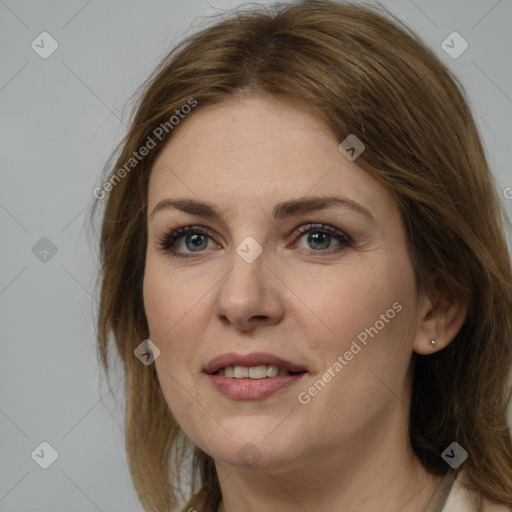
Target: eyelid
(320,226)
(174,234)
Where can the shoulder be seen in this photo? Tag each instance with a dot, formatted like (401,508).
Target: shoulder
(462,499)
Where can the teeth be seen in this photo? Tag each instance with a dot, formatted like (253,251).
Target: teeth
(241,372)
(258,372)
(272,371)
(253,372)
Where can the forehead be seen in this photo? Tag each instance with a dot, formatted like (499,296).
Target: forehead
(256,150)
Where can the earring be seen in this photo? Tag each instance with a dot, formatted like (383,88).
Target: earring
(433,343)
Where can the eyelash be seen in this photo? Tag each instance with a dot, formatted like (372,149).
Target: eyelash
(167,241)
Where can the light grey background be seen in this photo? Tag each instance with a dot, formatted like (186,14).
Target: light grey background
(60,117)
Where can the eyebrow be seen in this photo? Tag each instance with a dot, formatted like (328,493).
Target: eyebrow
(292,207)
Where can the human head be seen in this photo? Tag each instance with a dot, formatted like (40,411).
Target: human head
(369,77)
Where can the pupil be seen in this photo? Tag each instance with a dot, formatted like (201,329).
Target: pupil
(313,237)
(196,240)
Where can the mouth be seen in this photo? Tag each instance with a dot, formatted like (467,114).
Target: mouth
(257,365)
(254,372)
(253,376)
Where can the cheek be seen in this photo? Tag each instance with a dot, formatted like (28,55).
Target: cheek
(169,316)
(175,312)
(153,289)
(350,395)
(168,299)
(370,322)
(163,312)
(352,299)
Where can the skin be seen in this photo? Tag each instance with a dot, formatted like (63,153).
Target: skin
(347,449)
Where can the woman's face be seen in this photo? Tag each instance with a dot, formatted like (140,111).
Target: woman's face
(322,295)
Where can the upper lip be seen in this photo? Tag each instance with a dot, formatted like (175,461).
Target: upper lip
(253,359)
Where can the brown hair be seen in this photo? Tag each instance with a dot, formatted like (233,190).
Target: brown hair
(373,77)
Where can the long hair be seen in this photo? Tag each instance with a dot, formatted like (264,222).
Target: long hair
(369,75)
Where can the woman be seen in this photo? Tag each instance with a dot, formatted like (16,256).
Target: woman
(305,273)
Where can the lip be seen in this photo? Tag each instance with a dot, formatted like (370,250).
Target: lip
(246,389)
(255,389)
(253,359)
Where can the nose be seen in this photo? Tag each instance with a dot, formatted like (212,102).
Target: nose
(249,295)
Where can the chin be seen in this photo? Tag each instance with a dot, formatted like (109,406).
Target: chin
(252,457)
(253,446)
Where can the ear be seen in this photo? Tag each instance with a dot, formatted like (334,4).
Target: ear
(441,316)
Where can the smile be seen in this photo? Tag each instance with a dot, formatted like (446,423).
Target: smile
(253,372)
(253,376)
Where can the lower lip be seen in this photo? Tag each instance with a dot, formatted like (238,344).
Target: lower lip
(255,389)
